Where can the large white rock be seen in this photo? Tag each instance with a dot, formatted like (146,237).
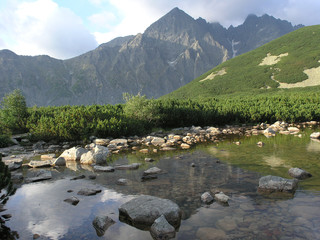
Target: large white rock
(97,156)
(73,154)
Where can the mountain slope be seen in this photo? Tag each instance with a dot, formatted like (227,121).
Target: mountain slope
(288,62)
(169,54)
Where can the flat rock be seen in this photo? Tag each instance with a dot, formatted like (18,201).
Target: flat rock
(88,191)
(206,198)
(148,177)
(72,200)
(103,168)
(277,184)
(157,141)
(168,149)
(101,224)
(122,181)
(141,212)
(119,141)
(13,164)
(40,164)
(40,176)
(153,170)
(132,166)
(161,229)
(48,156)
(102,141)
(299,173)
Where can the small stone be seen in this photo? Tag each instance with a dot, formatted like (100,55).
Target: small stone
(92,177)
(88,191)
(153,170)
(145,150)
(6,216)
(193,165)
(237,143)
(122,181)
(69,191)
(36,236)
(185,146)
(148,160)
(299,173)
(206,198)
(260,144)
(78,177)
(161,229)
(72,200)
(221,197)
(148,177)
(103,169)
(132,166)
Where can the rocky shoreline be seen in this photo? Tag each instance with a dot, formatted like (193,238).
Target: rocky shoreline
(100,148)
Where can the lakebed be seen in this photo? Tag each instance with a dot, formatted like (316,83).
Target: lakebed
(232,166)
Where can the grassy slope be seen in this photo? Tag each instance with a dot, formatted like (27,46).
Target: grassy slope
(246,76)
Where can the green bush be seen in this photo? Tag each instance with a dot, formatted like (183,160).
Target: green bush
(14,112)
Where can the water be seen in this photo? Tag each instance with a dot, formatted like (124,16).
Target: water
(38,208)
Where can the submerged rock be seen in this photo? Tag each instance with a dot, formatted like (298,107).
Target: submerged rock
(103,169)
(299,173)
(162,230)
(72,200)
(88,191)
(122,181)
(132,166)
(277,184)
(153,170)
(78,177)
(40,176)
(101,224)
(206,198)
(141,212)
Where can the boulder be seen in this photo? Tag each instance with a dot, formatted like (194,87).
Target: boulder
(269,131)
(153,170)
(206,198)
(39,164)
(100,154)
(315,135)
(97,156)
(13,164)
(72,200)
(161,229)
(88,191)
(141,212)
(277,184)
(73,154)
(101,224)
(299,173)
(185,146)
(293,129)
(60,161)
(103,168)
(221,197)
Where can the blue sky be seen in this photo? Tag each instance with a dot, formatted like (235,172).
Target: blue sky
(68,28)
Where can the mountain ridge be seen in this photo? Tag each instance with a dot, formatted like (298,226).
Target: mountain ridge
(169,54)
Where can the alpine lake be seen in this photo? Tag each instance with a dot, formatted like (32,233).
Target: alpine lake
(39,211)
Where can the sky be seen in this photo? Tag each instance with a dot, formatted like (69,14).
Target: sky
(67,28)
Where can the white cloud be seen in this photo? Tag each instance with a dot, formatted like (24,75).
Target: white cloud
(103,20)
(42,27)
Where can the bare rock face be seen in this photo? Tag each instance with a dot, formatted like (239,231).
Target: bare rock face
(141,212)
(299,173)
(277,184)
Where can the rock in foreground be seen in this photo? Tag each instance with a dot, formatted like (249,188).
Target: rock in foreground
(161,229)
(299,173)
(101,224)
(141,212)
(277,184)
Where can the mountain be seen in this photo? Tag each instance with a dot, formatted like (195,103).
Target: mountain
(169,54)
(289,62)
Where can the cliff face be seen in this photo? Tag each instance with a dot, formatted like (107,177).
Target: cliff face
(169,54)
